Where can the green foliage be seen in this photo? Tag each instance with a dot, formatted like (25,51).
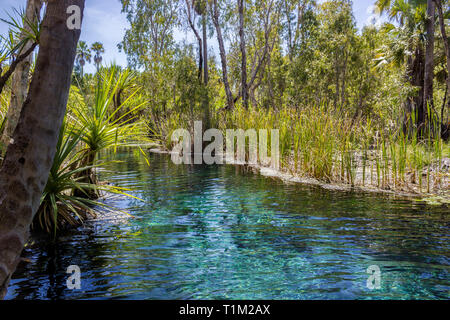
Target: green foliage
(151,32)
(21,31)
(59,205)
(93,124)
(341,97)
(102,127)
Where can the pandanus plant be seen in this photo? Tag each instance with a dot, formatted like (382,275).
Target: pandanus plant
(65,199)
(58,203)
(100,126)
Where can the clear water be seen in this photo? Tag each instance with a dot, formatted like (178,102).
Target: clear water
(215,232)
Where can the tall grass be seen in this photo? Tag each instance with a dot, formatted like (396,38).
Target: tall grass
(329,146)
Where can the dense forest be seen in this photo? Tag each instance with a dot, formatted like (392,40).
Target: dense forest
(364,109)
(355,106)
(295,54)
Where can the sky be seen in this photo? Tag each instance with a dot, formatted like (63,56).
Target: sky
(104,22)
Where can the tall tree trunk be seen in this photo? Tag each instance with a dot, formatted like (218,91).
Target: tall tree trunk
(337,84)
(447,49)
(418,81)
(28,160)
(200,59)
(191,21)
(223,56)
(205,51)
(429,66)
(287,9)
(19,80)
(415,76)
(206,116)
(244,88)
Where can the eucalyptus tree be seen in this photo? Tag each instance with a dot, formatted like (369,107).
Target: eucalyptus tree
(151,33)
(296,15)
(251,27)
(150,43)
(336,46)
(202,7)
(150,46)
(192,20)
(244,89)
(300,32)
(264,35)
(28,160)
(216,9)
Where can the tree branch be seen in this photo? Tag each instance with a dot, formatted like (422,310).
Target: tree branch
(4,78)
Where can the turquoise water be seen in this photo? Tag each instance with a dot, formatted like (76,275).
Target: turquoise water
(216,232)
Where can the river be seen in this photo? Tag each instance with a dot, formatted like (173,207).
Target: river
(217,232)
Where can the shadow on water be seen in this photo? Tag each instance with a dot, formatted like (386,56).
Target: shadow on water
(218,232)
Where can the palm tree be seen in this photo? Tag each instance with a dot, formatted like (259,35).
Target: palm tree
(201,8)
(28,161)
(83,55)
(409,48)
(97,47)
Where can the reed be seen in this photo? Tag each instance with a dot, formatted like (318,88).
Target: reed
(328,145)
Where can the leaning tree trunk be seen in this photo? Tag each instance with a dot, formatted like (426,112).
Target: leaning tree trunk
(206,115)
(244,88)
(429,67)
(19,80)
(223,56)
(29,158)
(191,21)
